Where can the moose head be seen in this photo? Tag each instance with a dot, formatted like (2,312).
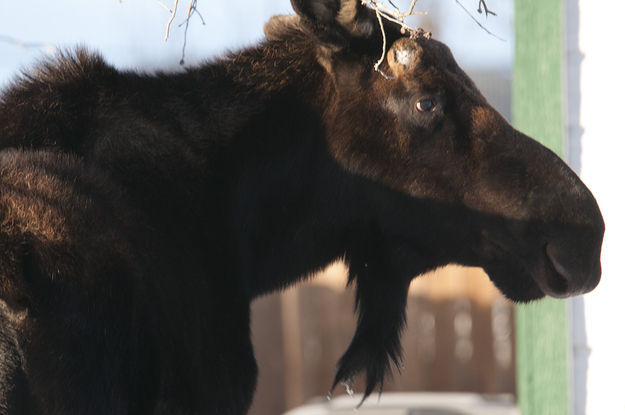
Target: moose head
(421,127)
(447,179)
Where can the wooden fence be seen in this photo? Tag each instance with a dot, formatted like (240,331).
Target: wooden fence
(459,337)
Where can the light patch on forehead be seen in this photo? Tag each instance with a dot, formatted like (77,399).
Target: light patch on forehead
(403,56)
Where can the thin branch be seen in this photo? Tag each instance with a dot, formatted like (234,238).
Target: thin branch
(26,45)
(166,7)
(193,2)
(192,11)
(395,6)
(412,5)
(171,19)
(396,16)
(479,9)
(379,62)
(478,22)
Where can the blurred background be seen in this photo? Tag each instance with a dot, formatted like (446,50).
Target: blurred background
(130,33)
(460,334)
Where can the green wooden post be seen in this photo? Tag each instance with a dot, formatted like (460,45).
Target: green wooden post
(538,110)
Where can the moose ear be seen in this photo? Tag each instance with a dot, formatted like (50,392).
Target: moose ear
(323,11)
(280,25)
(333,20)
(404,56)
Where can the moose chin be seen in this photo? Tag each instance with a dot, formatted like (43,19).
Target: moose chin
(141,214)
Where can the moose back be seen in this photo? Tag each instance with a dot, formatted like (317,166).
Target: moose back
(141,214)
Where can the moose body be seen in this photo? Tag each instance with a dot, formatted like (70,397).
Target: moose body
(141,214)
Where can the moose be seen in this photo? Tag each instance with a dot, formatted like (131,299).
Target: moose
(140,214)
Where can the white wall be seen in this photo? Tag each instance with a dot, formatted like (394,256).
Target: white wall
(596,65)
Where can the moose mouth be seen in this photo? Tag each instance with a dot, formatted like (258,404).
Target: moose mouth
(553,270)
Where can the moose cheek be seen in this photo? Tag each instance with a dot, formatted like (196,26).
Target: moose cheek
(433,133)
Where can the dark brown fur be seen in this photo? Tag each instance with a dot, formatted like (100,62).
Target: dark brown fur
(140,214)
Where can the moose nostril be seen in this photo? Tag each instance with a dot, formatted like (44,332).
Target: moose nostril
(557,282)
(557,265)
(574,274)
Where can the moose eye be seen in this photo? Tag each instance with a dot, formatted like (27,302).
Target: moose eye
(426,105)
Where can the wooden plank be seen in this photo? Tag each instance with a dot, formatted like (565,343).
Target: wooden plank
(292,345)
(267,334)
(538,108)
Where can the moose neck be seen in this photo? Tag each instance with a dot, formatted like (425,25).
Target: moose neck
(284,219)
(251,81)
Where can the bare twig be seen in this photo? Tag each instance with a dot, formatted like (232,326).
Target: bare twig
(192,11)
(379,62)
(171,19)
(192,4)
(477,21)
(395,6)
(27,45)
(173,11)
(414,2)
(396,16)
(166,7)
(479,8)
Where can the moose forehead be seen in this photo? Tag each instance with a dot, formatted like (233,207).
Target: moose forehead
(431,64)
